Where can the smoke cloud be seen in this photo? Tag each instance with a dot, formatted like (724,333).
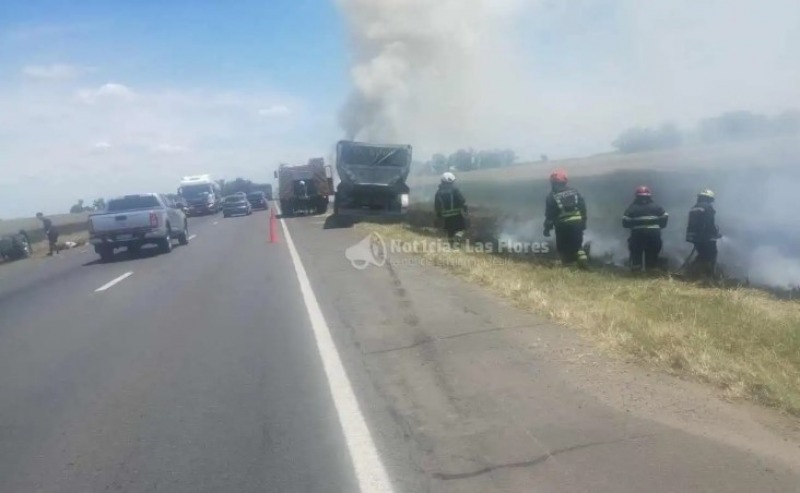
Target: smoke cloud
(418,66)
(565,78)
(560,77)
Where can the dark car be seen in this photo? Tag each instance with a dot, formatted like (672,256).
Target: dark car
(15,246)
(258,200)
(236,205)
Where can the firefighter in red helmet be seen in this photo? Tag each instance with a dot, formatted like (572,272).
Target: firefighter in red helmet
(565,211)
(645,218)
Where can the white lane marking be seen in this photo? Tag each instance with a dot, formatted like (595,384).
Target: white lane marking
(112,283)
(215,223)
(369,469)
(191,237)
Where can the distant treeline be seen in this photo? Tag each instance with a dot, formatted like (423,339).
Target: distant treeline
(243,185)
(470,159)
(733,126)
(97,205)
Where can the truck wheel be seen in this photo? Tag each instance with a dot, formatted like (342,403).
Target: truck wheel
(106,254)
(322,206)
(183,238)
(165,244)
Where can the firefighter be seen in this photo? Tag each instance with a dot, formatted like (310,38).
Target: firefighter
(451,209)
(645,218)
(565,211)
(703,233)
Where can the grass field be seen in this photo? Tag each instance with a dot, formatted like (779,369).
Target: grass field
(742,340)
(755,183)
(67,224)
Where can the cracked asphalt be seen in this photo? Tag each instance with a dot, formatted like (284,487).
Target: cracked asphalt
(199,371)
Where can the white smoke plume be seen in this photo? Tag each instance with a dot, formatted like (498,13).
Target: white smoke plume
(421,68)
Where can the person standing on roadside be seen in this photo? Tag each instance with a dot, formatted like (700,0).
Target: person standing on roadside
(451,207)
(50,232)
(645,218)
(565,211)
(702,232)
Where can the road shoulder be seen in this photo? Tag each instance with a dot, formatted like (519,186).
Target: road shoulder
(491,398)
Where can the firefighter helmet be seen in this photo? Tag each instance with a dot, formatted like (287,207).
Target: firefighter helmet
(643,192)
(558,176)
(448,177)
(707,193)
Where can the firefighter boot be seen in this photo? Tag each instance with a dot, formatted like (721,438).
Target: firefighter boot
(459,237)
(583,257)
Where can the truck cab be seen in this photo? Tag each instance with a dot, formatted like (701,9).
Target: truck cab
(201,195)
(373,179)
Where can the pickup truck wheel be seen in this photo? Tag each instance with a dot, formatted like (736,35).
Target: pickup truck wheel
(165,244)
(106,254)
(183,239)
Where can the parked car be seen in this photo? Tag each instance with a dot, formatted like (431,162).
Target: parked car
(236,205)
(15,246)
(258,200)
(136,220)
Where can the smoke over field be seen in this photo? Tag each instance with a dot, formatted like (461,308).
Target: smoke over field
(418,65)
(755,185)
(560,77)
(566,78)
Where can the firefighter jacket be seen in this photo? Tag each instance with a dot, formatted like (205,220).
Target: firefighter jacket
(644,215)
(702,226)
(564,207)
(449,201)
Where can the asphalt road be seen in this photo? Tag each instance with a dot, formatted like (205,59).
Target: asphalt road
(195,373)
(219,368)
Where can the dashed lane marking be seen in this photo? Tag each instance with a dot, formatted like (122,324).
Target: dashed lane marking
(113,282)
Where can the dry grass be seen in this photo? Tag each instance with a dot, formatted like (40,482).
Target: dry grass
(41,248)
(743,341)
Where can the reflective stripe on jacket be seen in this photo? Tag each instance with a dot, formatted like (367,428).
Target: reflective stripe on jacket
(644,214)
(565,207)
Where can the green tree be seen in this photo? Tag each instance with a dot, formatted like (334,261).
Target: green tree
(237,185)
(77,208)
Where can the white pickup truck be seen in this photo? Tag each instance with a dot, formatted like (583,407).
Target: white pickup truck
(135,220)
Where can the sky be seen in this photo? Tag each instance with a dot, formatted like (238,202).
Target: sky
(101,98)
